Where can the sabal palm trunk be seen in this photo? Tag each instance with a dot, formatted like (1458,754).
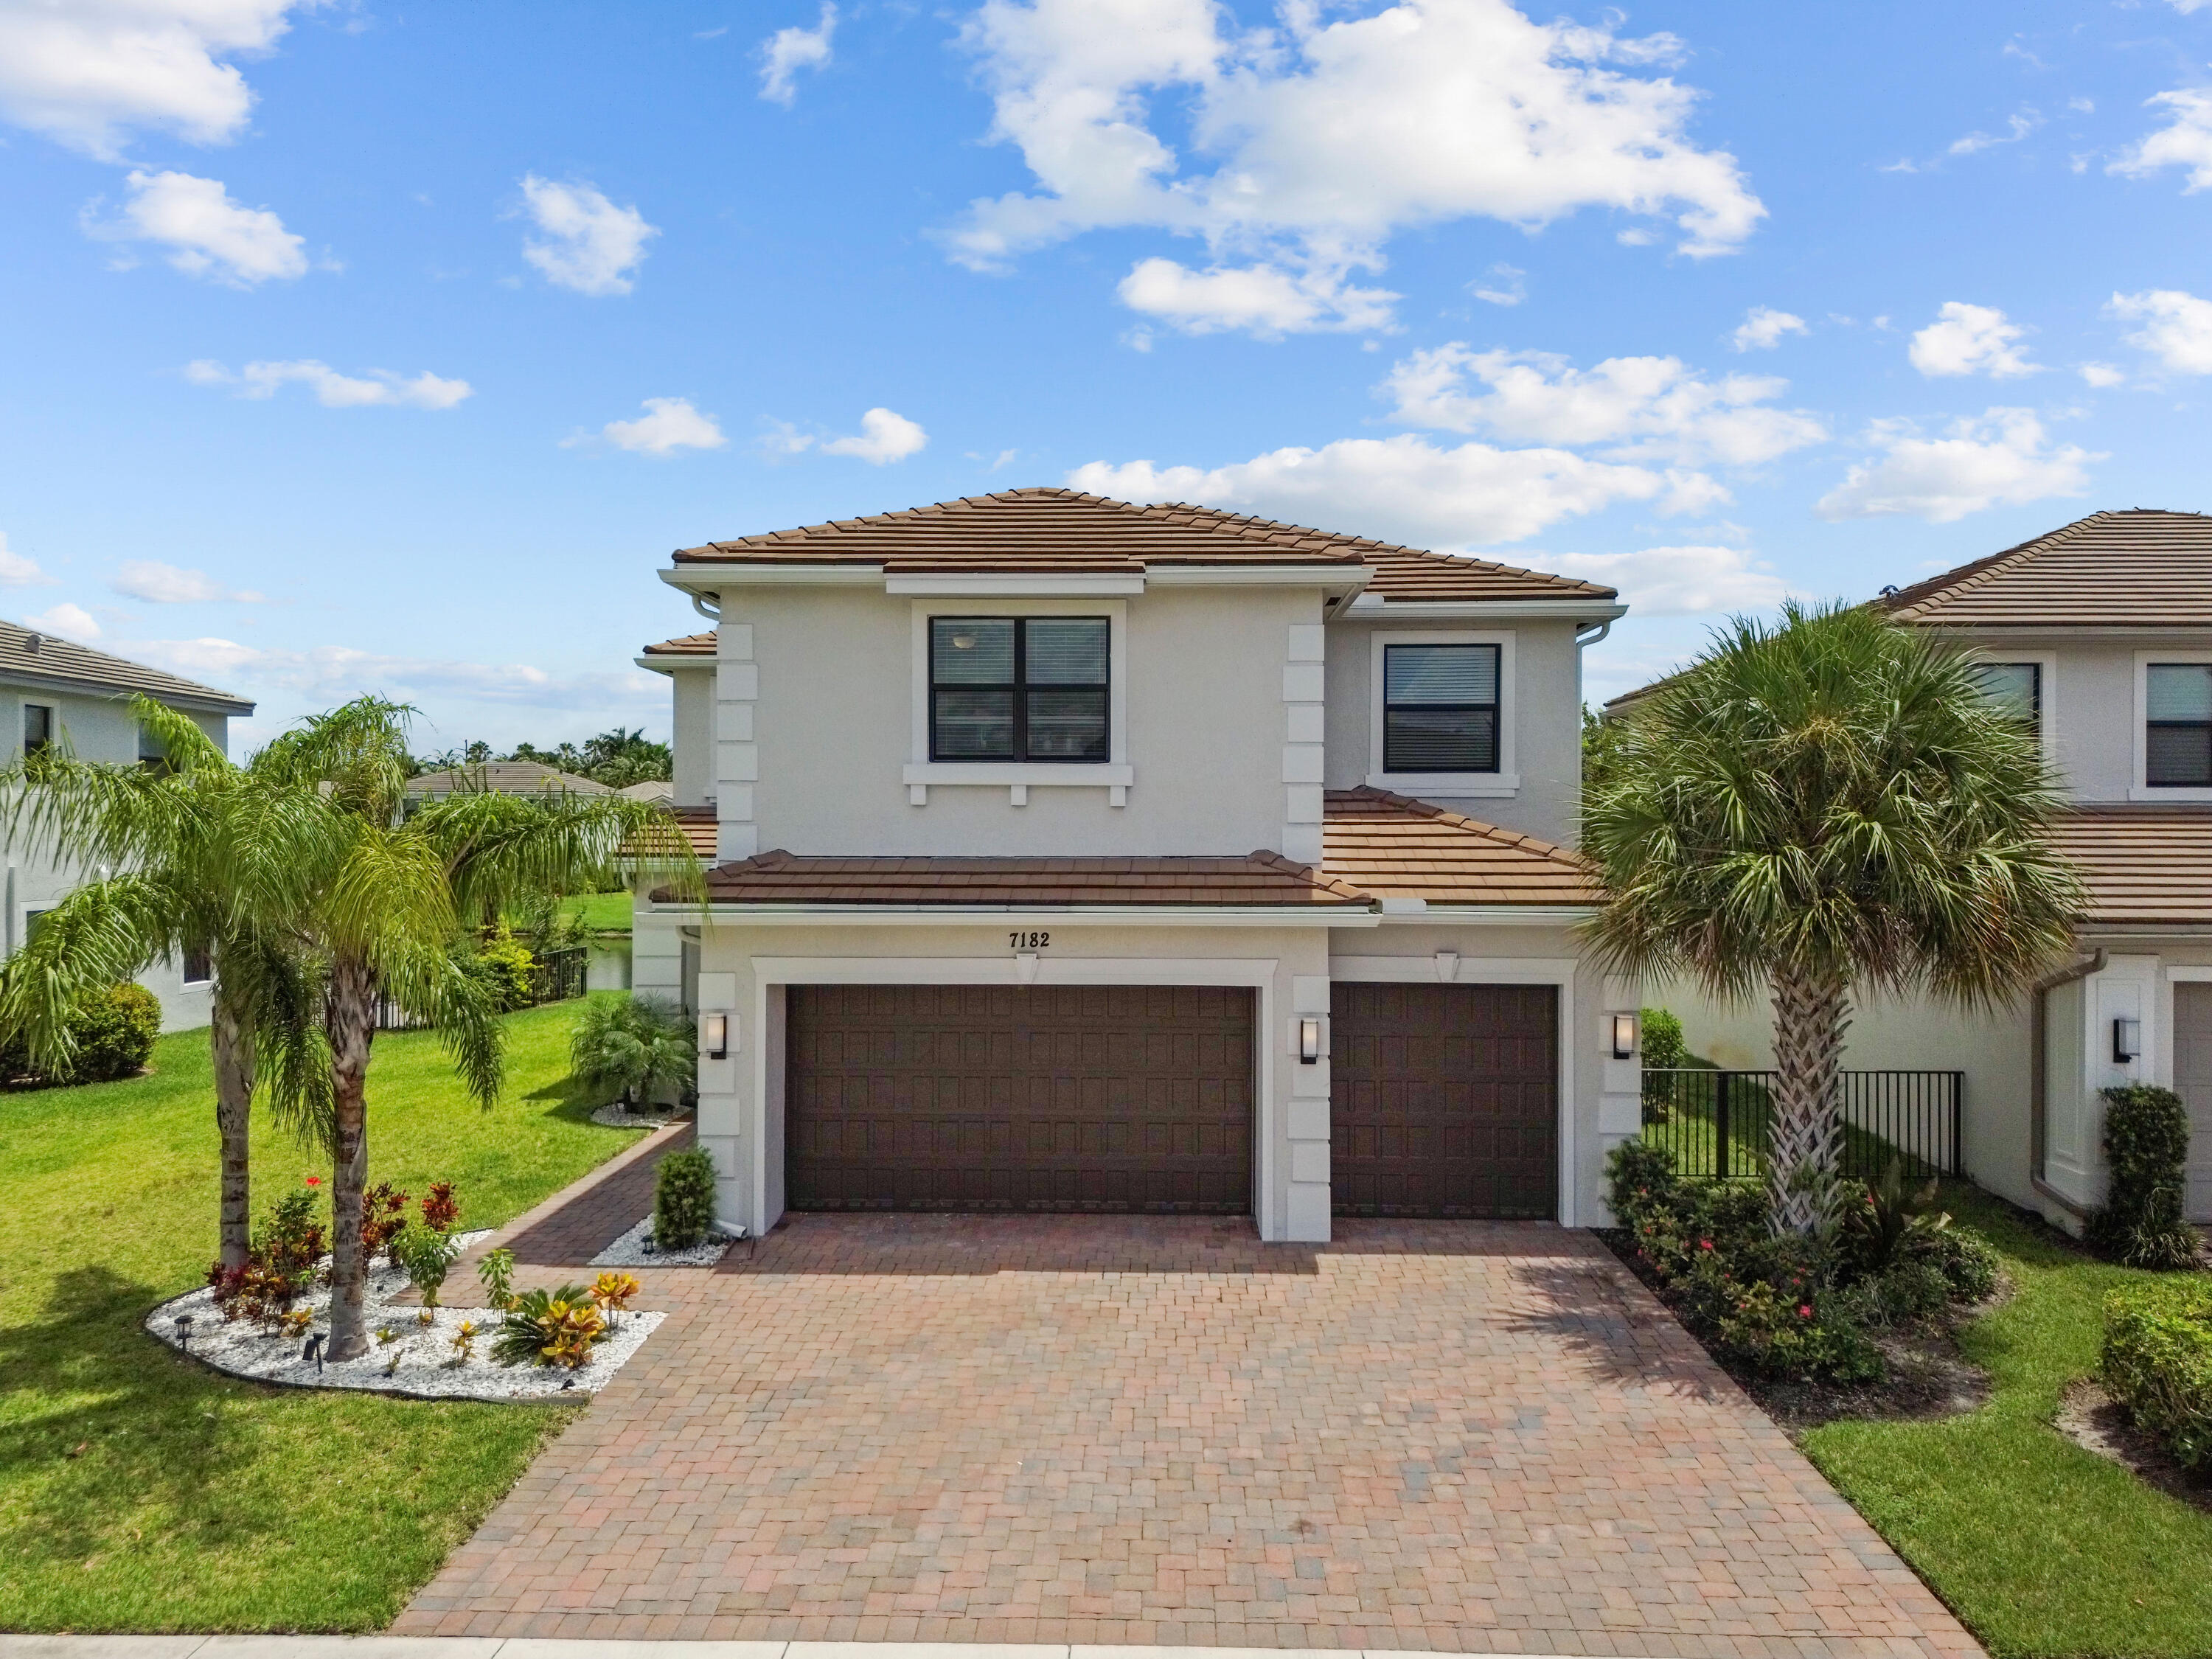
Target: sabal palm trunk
(349,1021)
(1805,1131)
(230,1037)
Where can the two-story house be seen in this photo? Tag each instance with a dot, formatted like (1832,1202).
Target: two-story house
(1071,855)
(2099,636)
(53,692)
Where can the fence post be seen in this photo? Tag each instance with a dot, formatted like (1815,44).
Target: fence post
(1721,1126)
(1958,1125)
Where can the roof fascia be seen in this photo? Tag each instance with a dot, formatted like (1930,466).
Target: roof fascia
(1333,577)
(207,702)
(1524,916)
(1374,607)
(1108,916)
(674,662)
(1016,583)
(711,579)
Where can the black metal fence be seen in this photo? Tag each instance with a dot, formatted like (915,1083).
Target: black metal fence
(555,977)
(1716,1123)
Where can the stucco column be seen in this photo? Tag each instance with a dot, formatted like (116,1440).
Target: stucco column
(1308,1209)
(719,1102)
(1621,1103)
(737,755)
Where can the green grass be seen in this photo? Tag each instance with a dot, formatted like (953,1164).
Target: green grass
(2042,1548)
(604,912)
(139,1491)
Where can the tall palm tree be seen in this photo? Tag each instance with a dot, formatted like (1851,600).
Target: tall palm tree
(1815,810)
(400,884)
(196,853)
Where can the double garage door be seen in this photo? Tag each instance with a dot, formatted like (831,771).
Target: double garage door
(1140,1099)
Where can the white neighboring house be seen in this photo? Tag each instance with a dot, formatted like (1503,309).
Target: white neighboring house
(505,777)
(1070,856)
(2099,635)
(54,692)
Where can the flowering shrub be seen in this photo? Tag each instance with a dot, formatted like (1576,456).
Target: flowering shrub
(383,1218)
(281,1266)
(550,1327)
(612,1291)
(440,1209)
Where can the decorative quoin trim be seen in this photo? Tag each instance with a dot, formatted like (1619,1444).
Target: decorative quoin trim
(737,749)
(1304,677)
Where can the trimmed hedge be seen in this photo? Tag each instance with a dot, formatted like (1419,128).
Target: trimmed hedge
(2145,1145)
(1664,1049)
(2157,1362)
(683,1198)
(114,1032)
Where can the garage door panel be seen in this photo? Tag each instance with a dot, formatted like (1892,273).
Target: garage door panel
(1008,1098)
(1443,1100)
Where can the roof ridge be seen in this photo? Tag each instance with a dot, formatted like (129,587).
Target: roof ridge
(1313,872)
(1502,836)
(1975,572)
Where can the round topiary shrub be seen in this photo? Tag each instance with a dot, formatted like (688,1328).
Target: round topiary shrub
(1664,1050)
(113,1031)
(2146,1145)
(683,1200)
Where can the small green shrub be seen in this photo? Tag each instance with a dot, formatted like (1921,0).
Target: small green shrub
(496,1274)
(683,1200)
(426,1256)
(1966,1260)
(2156,1361)
(2146,1145)
(113,1030)
(503,966)
(1663,1048)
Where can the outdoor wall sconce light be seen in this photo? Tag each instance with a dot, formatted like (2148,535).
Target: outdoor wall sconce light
(1309,1040)
(2127,1039)
(715,1036)
(1623,1036)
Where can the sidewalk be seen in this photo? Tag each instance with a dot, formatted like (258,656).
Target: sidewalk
(519,1647)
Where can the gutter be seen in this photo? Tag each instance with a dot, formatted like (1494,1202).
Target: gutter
(2038,1070)
(802,915)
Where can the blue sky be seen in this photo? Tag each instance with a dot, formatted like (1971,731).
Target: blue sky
(357,347)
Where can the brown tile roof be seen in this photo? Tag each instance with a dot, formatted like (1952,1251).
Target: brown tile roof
(700,828)
(1260,878)
(2139,569)
(686,645)
(1395,848)
(2145,865)
(67,667)
(1066,531)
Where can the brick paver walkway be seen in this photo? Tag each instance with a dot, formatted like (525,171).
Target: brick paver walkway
(1465,1436)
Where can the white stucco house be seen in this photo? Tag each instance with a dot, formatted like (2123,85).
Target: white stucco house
(1070,856)
(54,692)
(2099,635)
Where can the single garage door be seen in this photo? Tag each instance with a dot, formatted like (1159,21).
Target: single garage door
(1104,1098)
(1444,1100)
(2192,1081)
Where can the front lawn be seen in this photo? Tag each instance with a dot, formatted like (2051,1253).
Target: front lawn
(2041,1547)
(604,913)
(139,1491)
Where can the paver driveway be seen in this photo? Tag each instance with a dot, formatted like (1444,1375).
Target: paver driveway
(1433,1435)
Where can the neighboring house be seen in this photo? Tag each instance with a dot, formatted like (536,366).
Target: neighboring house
(507,777)
(659,790)
(2098,636)
(1070,856)
(52,692)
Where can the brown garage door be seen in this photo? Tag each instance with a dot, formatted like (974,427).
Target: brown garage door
(1003,1097)
(1443,1100)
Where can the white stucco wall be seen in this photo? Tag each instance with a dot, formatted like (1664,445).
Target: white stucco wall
(693,692)
(1547,722)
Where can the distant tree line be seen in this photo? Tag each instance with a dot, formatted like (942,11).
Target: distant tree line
(616,759)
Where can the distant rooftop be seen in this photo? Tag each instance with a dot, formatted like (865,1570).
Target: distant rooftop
(2138,569)
(27,655)
(505,778)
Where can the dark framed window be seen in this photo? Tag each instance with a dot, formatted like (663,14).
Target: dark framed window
(199,966)
(2178,734)
(2014,689)
(32,921)
(1019,688)
(38,728)
(1440,708)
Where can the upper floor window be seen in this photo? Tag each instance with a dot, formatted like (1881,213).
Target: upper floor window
(1019,688)
(38,728)
(2014,689)
(2178,725)
(1440,708)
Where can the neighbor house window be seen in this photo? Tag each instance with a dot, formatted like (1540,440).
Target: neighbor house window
(32,921)
(2178,735)
(199,966)
(1440,708)
(150,756)
(2014,689)
(38,728)
(1017,689)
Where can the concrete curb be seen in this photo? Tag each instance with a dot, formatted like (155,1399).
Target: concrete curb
(517,1646)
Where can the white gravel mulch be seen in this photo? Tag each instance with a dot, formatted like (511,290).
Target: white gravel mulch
(616,1115)
(427,1367)
(636,1248)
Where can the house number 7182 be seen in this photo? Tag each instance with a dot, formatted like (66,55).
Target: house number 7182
(1018,941)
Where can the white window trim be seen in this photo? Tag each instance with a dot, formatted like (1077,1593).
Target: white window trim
(2046,690)
(1505,781)
(1017,778)
(2139,787)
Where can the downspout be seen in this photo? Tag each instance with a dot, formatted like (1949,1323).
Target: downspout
(712,613)
(2038,1073)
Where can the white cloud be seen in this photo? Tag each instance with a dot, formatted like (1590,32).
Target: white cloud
(2017,127)
(786,52)
(1678,581)
(1507,289)
(1968,339)
(1635,408)
(332,673)
(1406,488)
(20,570)
(333,389)
(2102,375)
(1763,327)
(667,425)
(1320,139)
(71,622)
(207,233)
(1998,459)
(169,584)
(589,244)
(2184,142)
(2176,326)
(87,72)
(884,437)
(1263,300)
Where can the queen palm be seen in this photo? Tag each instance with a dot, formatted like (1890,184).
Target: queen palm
(198,854)
(1815,810)
(397,885)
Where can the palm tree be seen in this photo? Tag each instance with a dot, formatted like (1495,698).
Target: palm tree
(397,888)
(205,855)
(1816,809)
